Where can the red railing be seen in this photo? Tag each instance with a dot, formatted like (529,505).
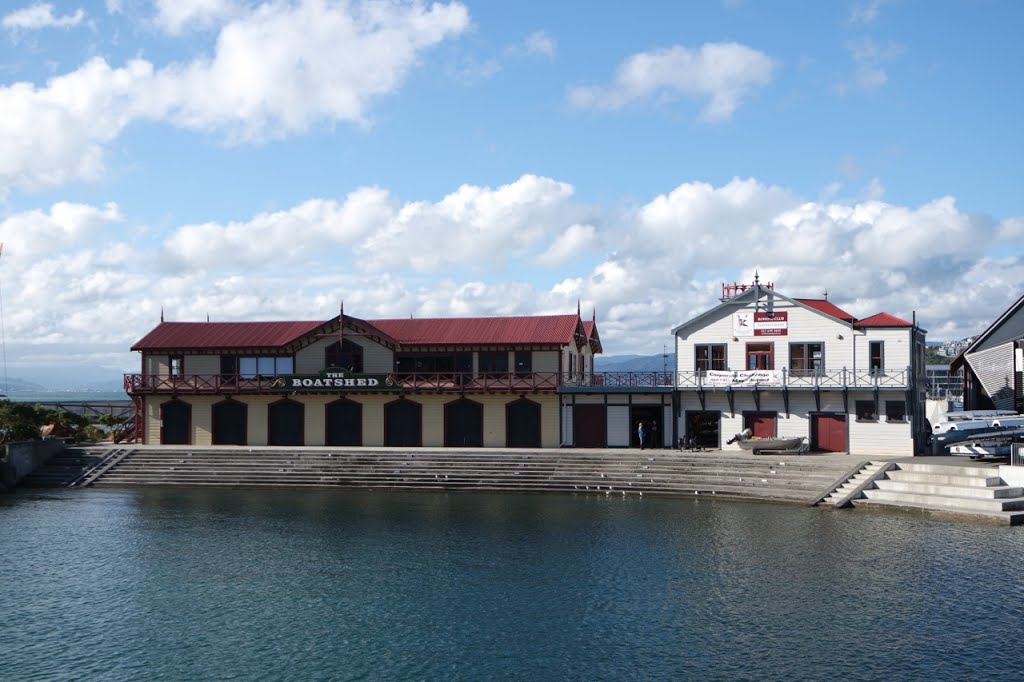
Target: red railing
(441,382)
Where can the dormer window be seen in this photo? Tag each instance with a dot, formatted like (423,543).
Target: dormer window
(344,355)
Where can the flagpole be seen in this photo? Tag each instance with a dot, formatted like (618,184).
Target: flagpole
(3,334)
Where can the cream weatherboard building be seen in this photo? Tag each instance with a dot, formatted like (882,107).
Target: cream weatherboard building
(760,360)
(783,366)
(455,382)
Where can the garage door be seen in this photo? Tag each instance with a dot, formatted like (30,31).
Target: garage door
(828,432)
(591,424)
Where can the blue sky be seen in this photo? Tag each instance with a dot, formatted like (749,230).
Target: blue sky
(265,160)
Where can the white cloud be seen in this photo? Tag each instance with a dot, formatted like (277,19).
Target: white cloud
(869,59)
(724,73)
(275,237)
(575,240)
(537,43)
(40,16)
(35,234)
(474,227)
(278,70)
(175,16)
(1012,230)
(72,275)
(865,11)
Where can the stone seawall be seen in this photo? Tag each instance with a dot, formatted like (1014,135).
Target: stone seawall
(21,459)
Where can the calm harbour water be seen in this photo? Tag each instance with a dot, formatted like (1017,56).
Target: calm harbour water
(162,584)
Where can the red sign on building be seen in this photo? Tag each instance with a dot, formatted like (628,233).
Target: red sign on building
(771,324)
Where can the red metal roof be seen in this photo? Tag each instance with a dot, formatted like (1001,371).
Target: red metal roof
(168,335)
(491,331)
(826,307)
(883,320)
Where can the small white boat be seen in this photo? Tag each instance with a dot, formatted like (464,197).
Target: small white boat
(757,445)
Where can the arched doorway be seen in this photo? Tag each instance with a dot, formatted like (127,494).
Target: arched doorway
(175,423)
(229,422)
(522,423)
(344,422)
(463,424)
(403,423)
(285,422)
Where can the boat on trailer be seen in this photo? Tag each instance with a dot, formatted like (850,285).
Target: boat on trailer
(979,434)
(759,445)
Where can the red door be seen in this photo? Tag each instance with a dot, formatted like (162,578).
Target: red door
(829,432)
(761,424)
(590,425)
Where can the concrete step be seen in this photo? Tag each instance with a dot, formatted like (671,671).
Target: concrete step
(945,478)
(558,470)
(942,490)
(946,470)
(1013,518)
(905,499)
(490,485)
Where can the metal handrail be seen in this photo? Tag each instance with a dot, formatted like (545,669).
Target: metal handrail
(618,379)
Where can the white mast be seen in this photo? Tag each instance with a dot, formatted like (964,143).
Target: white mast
(3,336)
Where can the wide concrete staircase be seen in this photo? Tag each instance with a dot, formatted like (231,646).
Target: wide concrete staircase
(972,491)
(66,467)
(802,479)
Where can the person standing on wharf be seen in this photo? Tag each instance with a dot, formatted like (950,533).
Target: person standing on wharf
(640,434)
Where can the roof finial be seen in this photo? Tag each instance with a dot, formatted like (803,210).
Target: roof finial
(826,294)
(593,317)
(757,279)
(578,308)
(161,313)
(207,317)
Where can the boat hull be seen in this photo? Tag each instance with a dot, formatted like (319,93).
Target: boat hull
(756,445)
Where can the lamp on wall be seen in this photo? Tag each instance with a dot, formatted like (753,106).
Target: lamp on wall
(839,336)
(735,339)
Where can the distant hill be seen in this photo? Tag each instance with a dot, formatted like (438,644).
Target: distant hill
(14,385)
(635,363)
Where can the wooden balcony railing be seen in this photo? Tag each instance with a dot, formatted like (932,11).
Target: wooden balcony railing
(450,382)
(462,382)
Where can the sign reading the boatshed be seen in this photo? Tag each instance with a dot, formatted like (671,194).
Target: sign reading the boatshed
(760,324)
(336,379)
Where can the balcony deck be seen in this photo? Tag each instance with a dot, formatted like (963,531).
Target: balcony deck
(416,382)
(534,382)
(725,380)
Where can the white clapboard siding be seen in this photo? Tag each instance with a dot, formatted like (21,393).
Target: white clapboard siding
(803,326)
(897,348)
